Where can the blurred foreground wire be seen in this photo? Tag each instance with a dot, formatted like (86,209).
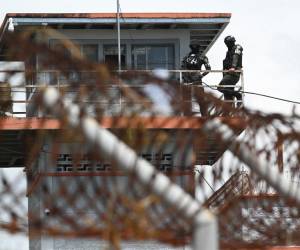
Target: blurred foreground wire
(76,188)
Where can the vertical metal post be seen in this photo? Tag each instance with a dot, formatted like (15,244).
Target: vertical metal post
(121,100)
(205,234)
(181,92)
(119,38)
(180,77)
(58,79)
(243,87)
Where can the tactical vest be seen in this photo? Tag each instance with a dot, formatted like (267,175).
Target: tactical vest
(236,53)
(193,62)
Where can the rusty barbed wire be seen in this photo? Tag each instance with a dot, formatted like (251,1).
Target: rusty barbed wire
(74,191)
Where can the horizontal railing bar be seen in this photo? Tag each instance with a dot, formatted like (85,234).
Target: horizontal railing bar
(63,80)
(107,102)
(108,85)
(121,71)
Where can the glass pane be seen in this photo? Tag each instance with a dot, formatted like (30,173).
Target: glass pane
(90,51)
(171,57)
(153,56)
(139,57)
(157,57)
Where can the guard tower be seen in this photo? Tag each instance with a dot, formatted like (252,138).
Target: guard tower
(148,41)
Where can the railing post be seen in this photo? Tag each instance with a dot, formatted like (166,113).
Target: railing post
(121,100)
(180,77)
(44,77)
(243,86)
(180,89)
(58,79)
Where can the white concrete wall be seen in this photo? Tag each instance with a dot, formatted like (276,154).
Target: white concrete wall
(37,201)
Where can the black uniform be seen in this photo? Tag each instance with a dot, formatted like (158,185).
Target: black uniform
(195,61)
(233,59)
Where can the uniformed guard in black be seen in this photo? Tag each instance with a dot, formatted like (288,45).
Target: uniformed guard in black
(232,62)
(194,61)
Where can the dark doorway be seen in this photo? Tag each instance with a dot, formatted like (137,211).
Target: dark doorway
(111,56)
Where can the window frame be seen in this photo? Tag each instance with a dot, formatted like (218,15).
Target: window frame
(129,43)
(133,64)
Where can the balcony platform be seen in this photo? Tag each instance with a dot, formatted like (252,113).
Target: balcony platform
(15,132)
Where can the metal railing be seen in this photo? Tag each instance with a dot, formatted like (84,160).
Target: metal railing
(22,94)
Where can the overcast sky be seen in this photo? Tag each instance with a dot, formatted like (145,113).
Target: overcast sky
(267,29)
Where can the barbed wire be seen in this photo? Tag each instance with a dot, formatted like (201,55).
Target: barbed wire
(74,190)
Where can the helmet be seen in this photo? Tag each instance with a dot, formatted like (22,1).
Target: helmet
(195,47)
(229,40)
